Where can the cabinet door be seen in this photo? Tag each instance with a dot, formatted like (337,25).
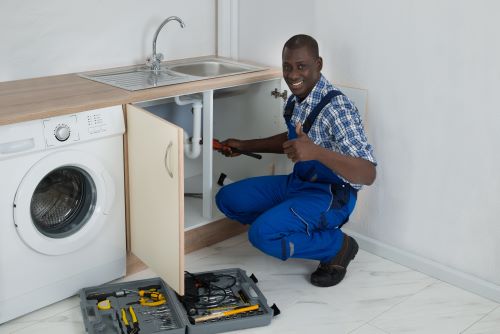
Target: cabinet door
(156,189)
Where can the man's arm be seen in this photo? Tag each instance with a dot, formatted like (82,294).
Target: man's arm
(354,170)
(273,144)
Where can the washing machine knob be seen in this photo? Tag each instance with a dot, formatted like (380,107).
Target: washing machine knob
(62,132)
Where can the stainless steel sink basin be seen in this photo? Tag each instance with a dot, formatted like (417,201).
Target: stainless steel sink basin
(142,77)
(213,68)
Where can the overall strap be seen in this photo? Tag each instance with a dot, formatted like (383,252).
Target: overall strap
(314,114)
(290,105)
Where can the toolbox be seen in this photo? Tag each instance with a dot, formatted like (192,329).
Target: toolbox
(214,302)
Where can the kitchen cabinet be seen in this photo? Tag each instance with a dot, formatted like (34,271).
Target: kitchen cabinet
(238,106)
(159,174)
(154,233)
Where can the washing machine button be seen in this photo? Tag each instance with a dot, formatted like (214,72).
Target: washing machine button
(62,132)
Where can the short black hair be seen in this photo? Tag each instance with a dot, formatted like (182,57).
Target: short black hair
(301,40)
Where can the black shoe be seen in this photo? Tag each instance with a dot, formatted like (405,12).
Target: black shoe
(332,272)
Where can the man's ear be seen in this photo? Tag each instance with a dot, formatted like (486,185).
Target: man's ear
(319,62)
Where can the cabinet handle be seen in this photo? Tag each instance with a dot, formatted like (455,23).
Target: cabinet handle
(167,159)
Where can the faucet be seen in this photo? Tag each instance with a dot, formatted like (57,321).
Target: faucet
(155,60)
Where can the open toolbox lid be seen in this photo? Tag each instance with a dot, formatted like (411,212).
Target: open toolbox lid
(214,302)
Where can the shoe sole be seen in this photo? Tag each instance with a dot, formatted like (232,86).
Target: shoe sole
(355,252)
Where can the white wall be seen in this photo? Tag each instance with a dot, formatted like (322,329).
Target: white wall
(40,38)
(432,72)
(264,26)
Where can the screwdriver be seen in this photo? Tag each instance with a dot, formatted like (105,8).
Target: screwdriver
(221,147)
(100,296)
(226,313)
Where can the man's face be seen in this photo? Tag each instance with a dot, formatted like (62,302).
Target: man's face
(301,70)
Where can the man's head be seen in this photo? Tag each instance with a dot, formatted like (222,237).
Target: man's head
(301,64)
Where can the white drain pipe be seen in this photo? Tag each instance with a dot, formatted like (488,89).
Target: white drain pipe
(192,148)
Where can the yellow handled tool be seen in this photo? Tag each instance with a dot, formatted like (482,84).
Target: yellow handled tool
(133,327)
(227,313)
(146,302)
(135,322)
(132,313)
(124,318)
(150,298)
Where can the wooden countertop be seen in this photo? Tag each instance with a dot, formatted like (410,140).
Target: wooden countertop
(29,99)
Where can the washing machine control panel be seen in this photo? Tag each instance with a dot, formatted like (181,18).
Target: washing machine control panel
(62,132)
(83,126)
(97,123)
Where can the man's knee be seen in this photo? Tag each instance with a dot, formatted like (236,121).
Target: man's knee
(232,205)
(264,240)
(223,200)
(219,199)
(255,236)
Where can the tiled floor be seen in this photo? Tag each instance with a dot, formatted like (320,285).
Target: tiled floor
(376,297)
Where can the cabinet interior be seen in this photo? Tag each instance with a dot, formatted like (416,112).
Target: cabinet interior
(243,112)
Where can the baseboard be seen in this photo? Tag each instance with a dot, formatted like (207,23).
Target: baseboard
(434,269)
(212,233)
(134,265)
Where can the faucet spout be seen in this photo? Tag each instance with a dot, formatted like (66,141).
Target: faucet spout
(155,60)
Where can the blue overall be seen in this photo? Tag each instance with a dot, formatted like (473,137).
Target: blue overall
(297,215)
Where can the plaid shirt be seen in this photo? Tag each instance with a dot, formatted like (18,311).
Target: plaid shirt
(338,127)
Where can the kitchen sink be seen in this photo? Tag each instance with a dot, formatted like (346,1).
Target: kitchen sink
(213,68)
(142,77)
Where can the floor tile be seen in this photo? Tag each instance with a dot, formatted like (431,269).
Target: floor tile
(376,297)
(490,324)
(440,308)
(53,328)
(62,317)
(12,327)
(368,329)
(372,286)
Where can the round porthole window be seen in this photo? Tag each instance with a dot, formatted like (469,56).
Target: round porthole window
(63,202)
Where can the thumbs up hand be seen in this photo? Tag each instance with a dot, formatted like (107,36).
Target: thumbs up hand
(301,148)
(298,130)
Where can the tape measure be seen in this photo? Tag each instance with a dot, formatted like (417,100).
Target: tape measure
(104,305)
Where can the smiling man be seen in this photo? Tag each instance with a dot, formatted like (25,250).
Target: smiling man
(300,215)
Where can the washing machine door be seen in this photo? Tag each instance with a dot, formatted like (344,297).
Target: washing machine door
(62,202)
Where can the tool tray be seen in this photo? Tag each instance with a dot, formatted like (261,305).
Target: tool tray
(214,302)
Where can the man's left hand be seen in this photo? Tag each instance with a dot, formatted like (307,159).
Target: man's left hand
(301,148)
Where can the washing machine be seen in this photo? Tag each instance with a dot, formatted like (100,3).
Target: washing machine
(62,208)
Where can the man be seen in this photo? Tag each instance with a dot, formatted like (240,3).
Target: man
(300,215)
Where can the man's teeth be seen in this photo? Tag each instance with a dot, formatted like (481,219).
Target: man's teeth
(297,83)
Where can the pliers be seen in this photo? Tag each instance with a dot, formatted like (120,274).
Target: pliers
(134,327)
